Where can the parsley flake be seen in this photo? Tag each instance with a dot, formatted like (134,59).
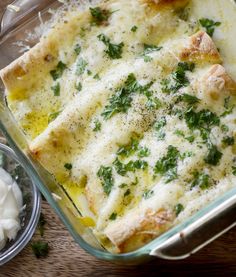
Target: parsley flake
(80,66)
(68,166)
(105,175)
(99,15)
(57,73)
(167,165)
(209,25)
(148,194)
(178,208)
(114,51)
(40,249)
(56,89)
(113,216)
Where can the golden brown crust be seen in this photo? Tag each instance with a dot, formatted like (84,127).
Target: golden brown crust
(139,227)
(201,48)
(218,81)
(157,4)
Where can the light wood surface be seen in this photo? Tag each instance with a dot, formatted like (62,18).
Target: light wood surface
(66,258)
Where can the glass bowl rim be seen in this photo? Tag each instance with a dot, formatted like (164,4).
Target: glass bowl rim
(28,232)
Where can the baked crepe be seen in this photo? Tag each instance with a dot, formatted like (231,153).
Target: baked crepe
(128,198)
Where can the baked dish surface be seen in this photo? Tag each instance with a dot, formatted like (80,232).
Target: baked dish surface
(130,105)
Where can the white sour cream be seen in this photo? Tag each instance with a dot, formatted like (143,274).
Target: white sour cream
(10,205)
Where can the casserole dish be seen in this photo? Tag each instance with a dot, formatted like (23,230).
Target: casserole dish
(179,242)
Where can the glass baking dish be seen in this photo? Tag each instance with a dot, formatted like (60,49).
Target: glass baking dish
(177,243)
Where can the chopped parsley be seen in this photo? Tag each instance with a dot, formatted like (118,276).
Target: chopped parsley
(148,194)
(68,166)
(158,126)
(121,101)
(77,49)
(189,99)
(57,73)
(127,192)
(178,208)
(143,152)
(80,66)
(228,140)
(214,155)
(153,103)
(40,248)
(114,51)
(128,149)
(209,25)
(234,170)
(105,175)
(134,29)
(181,134)
(97,125)
(99,15)
(96,77)
(131,166)
(56,89)
(113,216)
(78,86)
(178,78)
(149,48)
(201,180)
(228,108)
(167,165)
(201,119)
(53,116)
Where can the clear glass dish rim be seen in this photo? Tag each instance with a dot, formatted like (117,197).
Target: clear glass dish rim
(29,230)
(145,250)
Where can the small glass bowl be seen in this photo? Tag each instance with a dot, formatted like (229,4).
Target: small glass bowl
(29,216)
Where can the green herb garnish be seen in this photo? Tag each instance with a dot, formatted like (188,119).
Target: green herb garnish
(68,166)
(234,170)
(209,25)
(78,86)
(80,66)
(143,152)
(114,51)
(149,49)
(131,166)
(97,125)
(53,116)
(228,140)
(201,180)
(178,208)
(57,73)
(127,150)
(214,155)
(77,49)
(189,99)
(105,175)
(148,194)
(134,29)
(127,192)
(56,89)
(99,15)
(167,165)
(178,78)
(158,127)
(113,216)
(40,249)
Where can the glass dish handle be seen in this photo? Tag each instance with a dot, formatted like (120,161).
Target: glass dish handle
(200,233)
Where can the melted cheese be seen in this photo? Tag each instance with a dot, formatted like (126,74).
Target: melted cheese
(60,129)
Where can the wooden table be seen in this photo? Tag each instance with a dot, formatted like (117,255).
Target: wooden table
(66,258)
